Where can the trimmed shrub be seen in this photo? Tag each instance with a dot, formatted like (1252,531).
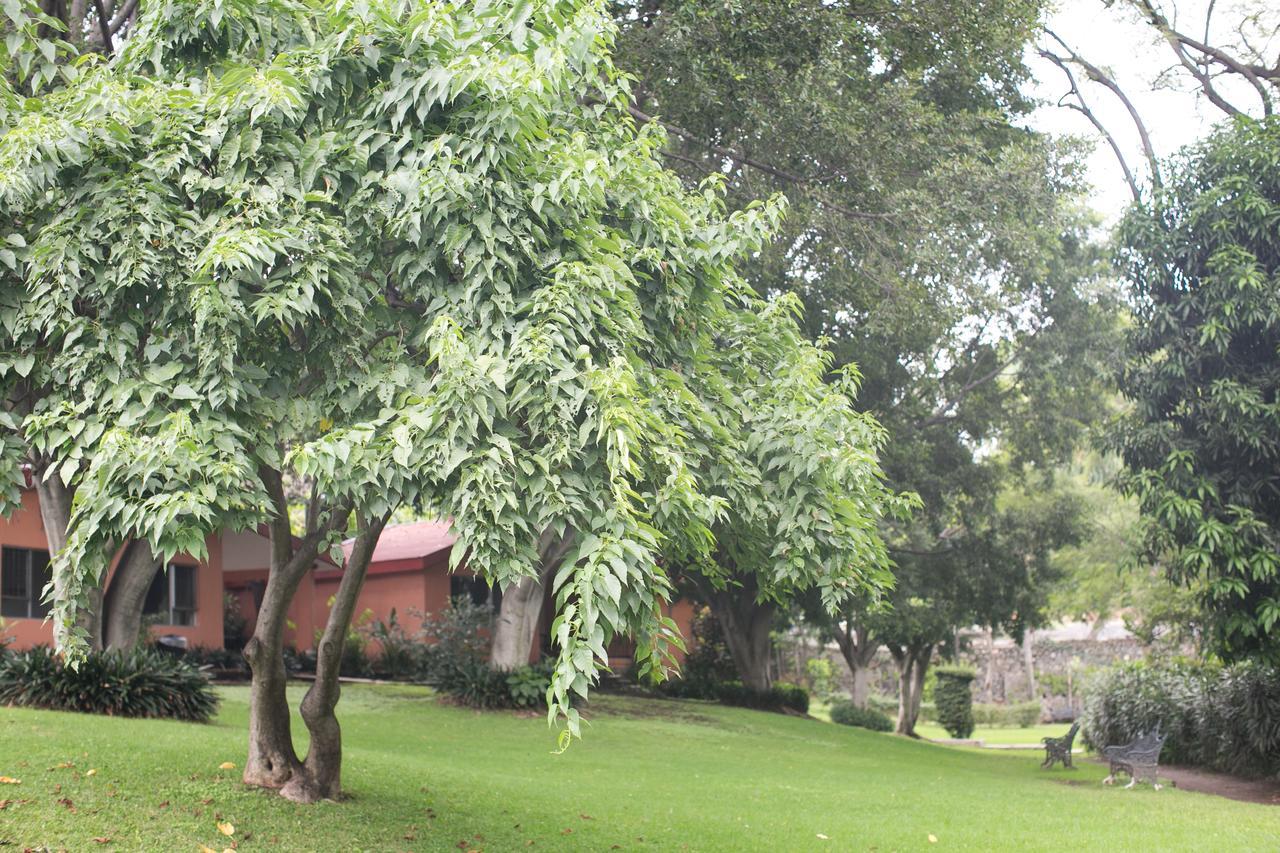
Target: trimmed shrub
(779,697)
(1226,719)
(137,683)
(475,684)
(954,699)
(846,713)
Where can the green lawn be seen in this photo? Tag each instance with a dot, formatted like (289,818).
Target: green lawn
(1002,734)
(651,774)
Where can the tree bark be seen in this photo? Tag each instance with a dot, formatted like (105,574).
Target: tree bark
(127,594)
(913,665)
(746,624)
(272,760)
(55,514)
(320,776)
(858,652)
(517,620)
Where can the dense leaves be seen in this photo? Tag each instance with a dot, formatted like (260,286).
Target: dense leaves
(846,713)
(1202,368)
(138,683)
(953,697)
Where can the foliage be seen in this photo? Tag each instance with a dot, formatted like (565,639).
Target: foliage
(452,638)
(417,256)
(1201,367)
(953,697)
(708,662)
(778,697)
(225,660)
(527,686)
(1224,718)
(1020,715)
(821,675)
(398,656)
(234,623)
(846,713)
(137,683)
(475,684)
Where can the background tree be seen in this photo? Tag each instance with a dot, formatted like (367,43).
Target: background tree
(1202,367)
(927,238)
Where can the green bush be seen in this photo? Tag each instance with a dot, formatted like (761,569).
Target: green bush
(954,699)
(527,686)
(1226,719)
(708,664)
(452,638)
(138,683)
(1020,715)
(398,658)
(846,713)
(779,697)
(475,684)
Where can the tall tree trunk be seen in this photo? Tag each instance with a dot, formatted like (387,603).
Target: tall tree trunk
(517,620)
(320,776)
(746,624)
(272,760)
(858,651)
(913,665)
(991,663)
(55,514)
(1029,660)
(126,595)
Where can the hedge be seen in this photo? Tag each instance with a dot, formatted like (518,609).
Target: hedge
(846,713)
(954,699)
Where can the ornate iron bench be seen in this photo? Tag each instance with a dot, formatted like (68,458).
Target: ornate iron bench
(1059,748)
(1139,759)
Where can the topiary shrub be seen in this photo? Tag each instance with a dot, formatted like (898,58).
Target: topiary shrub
(954,699)
(846,713)
(779,697)
(137,683)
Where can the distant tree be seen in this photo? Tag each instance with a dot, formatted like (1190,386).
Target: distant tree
(1202,369)
(931,237)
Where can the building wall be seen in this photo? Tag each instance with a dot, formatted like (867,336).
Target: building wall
(25,529)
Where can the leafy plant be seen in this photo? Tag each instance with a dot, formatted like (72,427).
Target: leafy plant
(527,686)
(398,656)
(137,683)
(846,713)
(234,622)
(1020,715)
(953,698)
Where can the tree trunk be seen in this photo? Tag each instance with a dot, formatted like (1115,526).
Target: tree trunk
(127,594)
(858,652)
(55,514)
(746,624)
(272,760)
(320,777)
(1028,659)
(913,666)
(517,620)
(991,663)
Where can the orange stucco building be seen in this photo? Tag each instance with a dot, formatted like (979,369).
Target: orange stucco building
(409,573)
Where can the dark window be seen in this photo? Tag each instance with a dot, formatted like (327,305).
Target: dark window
(474,588)
(172,595)
(24,572)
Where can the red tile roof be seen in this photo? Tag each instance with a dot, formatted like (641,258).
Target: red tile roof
(410,541)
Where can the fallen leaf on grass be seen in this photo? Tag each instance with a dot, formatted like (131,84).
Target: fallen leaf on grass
(9,780)
(4,804)
(93,771)
(102,839)
(64,801)
(227,828)
(823,837)
(933,839)
(227,765)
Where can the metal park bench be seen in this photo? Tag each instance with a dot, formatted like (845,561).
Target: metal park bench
(1059,748)
(1139,759)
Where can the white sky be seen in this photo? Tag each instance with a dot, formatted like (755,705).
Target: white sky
(1131,52)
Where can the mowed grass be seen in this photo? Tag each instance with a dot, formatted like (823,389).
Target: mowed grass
(650,774)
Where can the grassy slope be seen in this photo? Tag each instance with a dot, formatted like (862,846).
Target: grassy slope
(650,774)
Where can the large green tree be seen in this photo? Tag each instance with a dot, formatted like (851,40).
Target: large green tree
(416,256)
(931,237)
(1202,368)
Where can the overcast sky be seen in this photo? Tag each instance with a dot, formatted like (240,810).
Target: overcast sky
(1131,52)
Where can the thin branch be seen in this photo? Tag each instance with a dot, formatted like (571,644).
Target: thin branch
(123,16)
(104,26)
(1097,75)
(944,409)
(1081,106)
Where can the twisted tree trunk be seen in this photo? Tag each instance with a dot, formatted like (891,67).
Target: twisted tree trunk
(517,621)
(272,760)
(320,775)
(127,594)
(913,664)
